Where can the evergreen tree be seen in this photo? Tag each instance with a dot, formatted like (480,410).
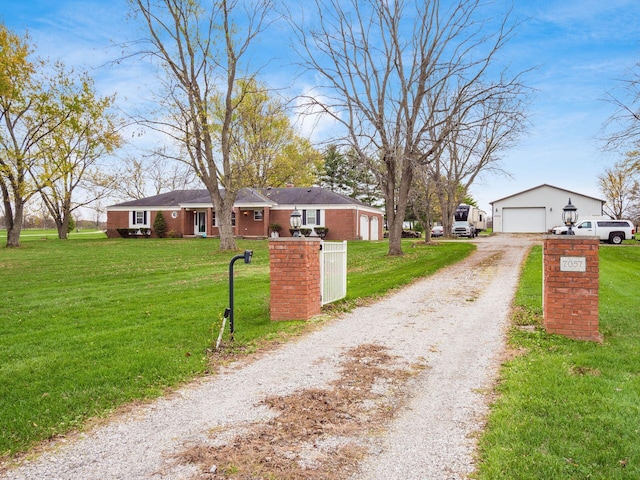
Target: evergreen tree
(159,225)
(344,174)
(338,174)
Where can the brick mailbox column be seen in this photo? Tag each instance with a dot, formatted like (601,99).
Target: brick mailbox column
(570,286)
(295,278)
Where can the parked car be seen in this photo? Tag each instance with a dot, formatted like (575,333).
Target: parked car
(612,231)
(437,231)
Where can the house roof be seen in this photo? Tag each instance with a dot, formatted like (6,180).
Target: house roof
(308,196)
(550,186)
(169,199)
(248,197)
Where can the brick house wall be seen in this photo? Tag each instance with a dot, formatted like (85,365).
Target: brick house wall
(342,223)
(247,226)
(116,220)
(120,219)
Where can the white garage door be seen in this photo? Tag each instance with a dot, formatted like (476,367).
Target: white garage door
(364,227)
(523,220)
(374,228)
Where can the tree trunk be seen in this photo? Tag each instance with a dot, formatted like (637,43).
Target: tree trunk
(395,234)
(14,226)
(224,208)
(426,223)
(227,237)
(63,227)
(398,210)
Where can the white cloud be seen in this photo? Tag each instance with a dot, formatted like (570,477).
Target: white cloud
(312,118)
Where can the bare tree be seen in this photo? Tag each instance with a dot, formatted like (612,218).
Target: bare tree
(201,50)
(489,129)
(423,199)
(140,177)
(167,176)
(620,185)
(623,127)
(396,74)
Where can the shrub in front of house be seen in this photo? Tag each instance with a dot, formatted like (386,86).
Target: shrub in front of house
(134,232)
(159,225)
(321,231)
(275,227)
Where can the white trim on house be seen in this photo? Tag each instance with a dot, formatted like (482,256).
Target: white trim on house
(139,218)
(146,207)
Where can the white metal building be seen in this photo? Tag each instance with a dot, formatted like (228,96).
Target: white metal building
(539,209)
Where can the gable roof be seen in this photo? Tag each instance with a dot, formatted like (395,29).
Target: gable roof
(550,186)
(248,197)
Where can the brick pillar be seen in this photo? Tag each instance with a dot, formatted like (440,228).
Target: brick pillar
(295,278)
(570,286)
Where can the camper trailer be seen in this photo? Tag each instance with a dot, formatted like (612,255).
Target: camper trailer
(469,221)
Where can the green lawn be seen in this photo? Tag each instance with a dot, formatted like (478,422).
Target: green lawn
(31,234)
(570,409)
(90,324)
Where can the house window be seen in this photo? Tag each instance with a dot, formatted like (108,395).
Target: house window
(140,218)
(233,218)
(258,215)
(213,219)
(311,217)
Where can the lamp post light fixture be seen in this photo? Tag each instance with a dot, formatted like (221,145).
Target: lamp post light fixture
(570,216)
(295,220)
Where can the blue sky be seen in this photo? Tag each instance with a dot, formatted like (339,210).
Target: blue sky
(579,50)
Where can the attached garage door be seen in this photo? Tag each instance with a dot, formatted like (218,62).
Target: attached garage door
(523,220)
(364,227)
(374,228)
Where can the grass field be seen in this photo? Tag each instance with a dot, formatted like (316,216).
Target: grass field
(30,234)
(570,409)
(91,324)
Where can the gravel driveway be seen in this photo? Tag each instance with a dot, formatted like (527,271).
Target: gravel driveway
(434,349)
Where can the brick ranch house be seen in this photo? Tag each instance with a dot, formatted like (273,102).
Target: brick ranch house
(190,213)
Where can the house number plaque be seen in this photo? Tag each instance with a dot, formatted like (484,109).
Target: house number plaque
(573,264)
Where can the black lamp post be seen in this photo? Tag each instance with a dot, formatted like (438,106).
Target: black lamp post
(295,219)
(246,256)
(570,216)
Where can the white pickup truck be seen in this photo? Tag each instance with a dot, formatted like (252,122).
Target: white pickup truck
(612,231)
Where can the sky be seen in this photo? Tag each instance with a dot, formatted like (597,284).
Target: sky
(578,52)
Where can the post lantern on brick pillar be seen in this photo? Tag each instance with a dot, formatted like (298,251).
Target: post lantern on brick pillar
(570,216)
(295,220)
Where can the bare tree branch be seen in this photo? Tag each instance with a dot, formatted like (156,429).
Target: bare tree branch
(399,78)
(201,50)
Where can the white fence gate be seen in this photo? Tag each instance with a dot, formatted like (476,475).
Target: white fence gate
(333,271)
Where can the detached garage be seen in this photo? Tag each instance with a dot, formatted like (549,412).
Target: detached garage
(539,209)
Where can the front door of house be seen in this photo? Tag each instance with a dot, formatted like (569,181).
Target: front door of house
(200,223)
